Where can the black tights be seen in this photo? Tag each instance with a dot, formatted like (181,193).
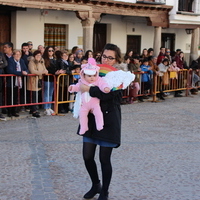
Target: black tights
(106,167)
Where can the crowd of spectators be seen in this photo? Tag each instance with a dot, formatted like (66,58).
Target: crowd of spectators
(52,60)
(162,65)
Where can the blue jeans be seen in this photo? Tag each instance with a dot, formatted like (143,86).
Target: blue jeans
(48,93)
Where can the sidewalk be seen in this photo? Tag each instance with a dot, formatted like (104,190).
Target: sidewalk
(41,159)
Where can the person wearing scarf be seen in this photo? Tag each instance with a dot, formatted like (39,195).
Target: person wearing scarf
(17,67)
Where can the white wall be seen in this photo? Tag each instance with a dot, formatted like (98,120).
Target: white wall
(120,28)
(30,26)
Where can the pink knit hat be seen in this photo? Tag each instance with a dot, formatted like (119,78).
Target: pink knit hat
(91,67)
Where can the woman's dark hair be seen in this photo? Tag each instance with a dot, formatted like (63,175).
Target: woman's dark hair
(36,53)
(145,60)
(165,60)
(58,54)
(87,53)
(126,58)
(74,49)
(71,54)
(84,58)
(149,50)
(116,49)
(46,56)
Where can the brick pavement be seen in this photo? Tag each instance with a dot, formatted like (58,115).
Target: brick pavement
(158,159)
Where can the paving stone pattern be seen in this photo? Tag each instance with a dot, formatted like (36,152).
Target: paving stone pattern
(159,159)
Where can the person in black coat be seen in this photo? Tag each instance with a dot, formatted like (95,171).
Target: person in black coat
(17,67)
(110,136)
(63,64)
(3,64)
(52,68)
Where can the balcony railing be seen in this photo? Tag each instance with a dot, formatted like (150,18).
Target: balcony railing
(152,1)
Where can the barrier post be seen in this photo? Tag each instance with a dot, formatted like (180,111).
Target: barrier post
(55,95)
(154,87)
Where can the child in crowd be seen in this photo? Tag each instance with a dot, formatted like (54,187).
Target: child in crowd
(77,70)
(90,76)
(146,78)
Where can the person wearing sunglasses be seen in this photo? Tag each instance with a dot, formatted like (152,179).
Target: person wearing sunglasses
(30,46)
(51,66)
(168,55)
(110,136)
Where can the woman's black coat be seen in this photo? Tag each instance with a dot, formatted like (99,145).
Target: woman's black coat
(110,106)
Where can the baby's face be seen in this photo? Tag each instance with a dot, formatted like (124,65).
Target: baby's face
(90,78)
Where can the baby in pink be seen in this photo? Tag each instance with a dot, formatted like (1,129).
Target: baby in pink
(90,76)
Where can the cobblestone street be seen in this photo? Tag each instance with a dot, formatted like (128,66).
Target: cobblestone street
(159,158)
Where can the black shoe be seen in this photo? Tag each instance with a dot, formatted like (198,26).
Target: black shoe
(162,98)
(145,97)
(178,95)
(15,115)
(96,188)
(140,99)
(2,118)
(36,114)
(9,115)
(103,196)
(31,112)
(62,111)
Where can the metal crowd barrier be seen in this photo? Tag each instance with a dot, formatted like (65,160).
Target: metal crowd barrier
(182,80)
(24,97)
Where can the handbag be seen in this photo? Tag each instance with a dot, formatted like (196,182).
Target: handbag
(39,83)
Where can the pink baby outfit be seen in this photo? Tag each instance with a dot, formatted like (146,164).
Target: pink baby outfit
(89,103)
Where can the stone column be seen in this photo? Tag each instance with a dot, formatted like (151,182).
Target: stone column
(157,40)
(88,19)
(88,26)
(194,45)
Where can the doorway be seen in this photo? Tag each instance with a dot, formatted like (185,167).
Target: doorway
(168,41)
(5,28)
(99,37)
(134,43)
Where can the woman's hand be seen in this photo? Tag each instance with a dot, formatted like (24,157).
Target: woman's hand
(84,88)
(24,73)
(62,71)
(45,72)
(76,63)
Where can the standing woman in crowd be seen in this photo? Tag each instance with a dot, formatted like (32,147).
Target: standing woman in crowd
(109,137)
(144,54)
(180,60)
(17,67)
(129,54)
(35,66)
(50,64)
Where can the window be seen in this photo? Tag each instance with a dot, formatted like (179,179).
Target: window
(55,35)
(185,5)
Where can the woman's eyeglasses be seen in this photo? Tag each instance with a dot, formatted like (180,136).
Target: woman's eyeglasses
(50,50)
(108,57)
